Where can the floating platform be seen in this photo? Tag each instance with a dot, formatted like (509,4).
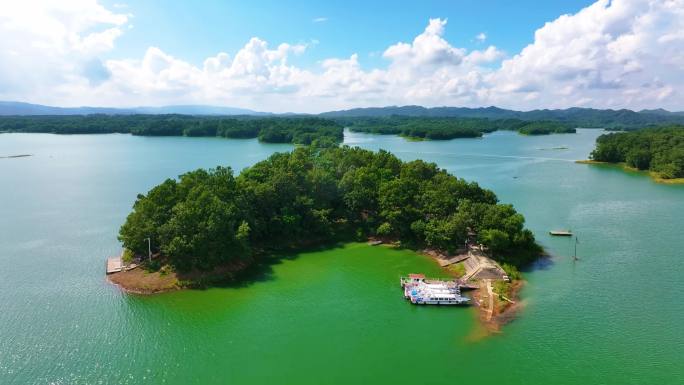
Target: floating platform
(561,233)
(114,265)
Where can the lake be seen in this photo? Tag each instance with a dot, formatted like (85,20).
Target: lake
(336,316)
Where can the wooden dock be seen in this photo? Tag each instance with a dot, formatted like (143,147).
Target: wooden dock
(114,265)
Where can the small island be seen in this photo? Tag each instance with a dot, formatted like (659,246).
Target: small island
(546,128)
(208,226)
(656,150)
(444,128)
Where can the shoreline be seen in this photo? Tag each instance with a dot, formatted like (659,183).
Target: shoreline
(140,282)
(493,312)
(143,282)
(655,177)
(501,312)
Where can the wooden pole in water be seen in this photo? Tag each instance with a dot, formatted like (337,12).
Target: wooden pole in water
(574,258)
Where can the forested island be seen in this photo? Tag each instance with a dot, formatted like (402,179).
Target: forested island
(440,128)
(209,219)
(659,150)
(546,128)
(424,128)
(297,130)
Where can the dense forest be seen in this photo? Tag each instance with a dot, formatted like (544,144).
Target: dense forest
(660,150)
(314,196)
(298,130)
(449,128)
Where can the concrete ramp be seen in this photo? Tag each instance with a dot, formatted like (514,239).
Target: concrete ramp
(479,266)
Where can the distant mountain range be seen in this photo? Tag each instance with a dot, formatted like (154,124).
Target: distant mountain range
(19,108)
(582,117)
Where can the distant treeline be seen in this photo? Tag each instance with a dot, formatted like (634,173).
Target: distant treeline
(317,196)
(449,128)
(660,150)
(294,129)
(298,130)
(575,117)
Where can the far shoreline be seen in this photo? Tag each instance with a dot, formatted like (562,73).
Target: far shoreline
(624,167)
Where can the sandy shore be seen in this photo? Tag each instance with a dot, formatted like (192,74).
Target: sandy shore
(139,281)
(493,312)
(142,281)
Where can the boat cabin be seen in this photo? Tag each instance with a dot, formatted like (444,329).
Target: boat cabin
(416,277)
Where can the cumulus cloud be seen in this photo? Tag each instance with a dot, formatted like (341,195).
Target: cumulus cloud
(481,37)
(428,50)
(52,48)
(611,54)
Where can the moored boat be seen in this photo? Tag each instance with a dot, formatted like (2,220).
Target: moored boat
(422,291)
(439,299)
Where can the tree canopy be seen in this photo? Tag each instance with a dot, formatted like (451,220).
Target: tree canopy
(315,196)
(660,150)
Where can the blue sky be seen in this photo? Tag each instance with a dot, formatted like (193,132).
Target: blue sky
(196,30)
(311,56)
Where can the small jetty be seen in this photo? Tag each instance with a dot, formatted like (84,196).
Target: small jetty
(432,291)
(561,233)
(114,265)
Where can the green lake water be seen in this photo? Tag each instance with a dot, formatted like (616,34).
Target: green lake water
(336,316)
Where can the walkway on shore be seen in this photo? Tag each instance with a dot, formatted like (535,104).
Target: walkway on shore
(490,293)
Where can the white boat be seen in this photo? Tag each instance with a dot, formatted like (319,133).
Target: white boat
(432,292)
(439,299)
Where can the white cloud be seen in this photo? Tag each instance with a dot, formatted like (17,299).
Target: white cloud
(489,55)
(48,50)
(481,37)
(319,19)
(611,54)
(428,50)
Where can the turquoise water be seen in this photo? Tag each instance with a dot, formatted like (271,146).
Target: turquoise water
(336,317)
